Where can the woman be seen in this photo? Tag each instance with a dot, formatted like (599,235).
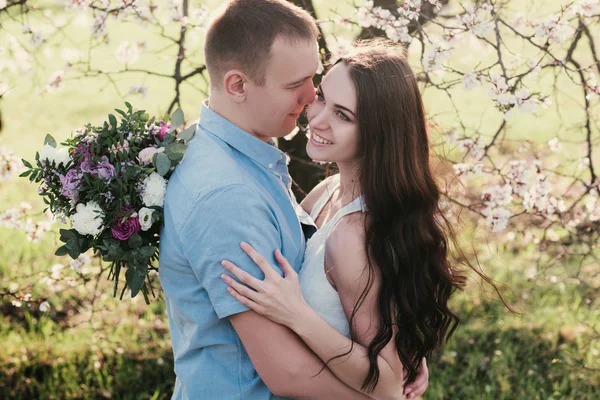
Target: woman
(371,297)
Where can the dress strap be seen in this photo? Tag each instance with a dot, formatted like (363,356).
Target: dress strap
(327,193)
(355,205)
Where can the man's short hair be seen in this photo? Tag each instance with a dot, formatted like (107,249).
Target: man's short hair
(241,36)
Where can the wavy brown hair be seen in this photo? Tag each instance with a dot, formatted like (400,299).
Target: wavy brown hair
(409,241)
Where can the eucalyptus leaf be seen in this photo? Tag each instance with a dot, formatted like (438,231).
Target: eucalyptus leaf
(73,248)
(177,118)
(147,251)
(135,277)
(135,241)
(163,164)
(50,141)
(175,151)
(68,234)
(188,133)
(61,251)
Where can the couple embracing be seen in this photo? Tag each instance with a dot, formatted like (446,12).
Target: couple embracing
(339,297)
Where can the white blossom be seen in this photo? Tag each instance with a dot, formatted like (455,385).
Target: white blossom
(140,89)
(127,53)
(44,306)
(55,83)
(470,80)
(497,195)
(592,87)
(10,165)
(497,218)
(555,145)
(77,264)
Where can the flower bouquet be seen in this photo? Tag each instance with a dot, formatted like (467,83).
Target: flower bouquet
(110,182)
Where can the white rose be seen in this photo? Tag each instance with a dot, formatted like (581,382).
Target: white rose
(153,193)
(59,156)
(62,156)
(145,156)
(145,217)
(48,153)
(88,218)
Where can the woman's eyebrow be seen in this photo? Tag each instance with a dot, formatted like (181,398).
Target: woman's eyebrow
(337,105)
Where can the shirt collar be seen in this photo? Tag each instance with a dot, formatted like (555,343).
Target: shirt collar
(265,154)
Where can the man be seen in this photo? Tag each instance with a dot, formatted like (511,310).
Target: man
(234,186)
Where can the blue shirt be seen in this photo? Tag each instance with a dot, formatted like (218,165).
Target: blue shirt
(230,187)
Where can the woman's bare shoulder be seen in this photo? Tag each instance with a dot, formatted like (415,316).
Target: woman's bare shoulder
(314,195)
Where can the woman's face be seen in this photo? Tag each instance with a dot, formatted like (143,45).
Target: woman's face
(332,121)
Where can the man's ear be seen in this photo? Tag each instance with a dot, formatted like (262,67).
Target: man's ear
(234,84)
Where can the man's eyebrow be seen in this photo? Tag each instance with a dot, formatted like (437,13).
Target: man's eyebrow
(336,105)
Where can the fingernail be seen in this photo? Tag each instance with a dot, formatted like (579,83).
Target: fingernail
(244,245)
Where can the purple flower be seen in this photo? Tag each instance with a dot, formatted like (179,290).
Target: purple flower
(70,184)
(105,169)
(123,228)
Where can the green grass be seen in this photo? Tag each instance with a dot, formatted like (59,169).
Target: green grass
(92,346)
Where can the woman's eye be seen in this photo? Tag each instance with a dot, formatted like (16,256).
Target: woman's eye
(342,116)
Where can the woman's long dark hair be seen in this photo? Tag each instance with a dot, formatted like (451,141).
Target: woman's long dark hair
(408,239)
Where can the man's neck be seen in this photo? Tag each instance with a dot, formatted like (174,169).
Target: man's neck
(229,111)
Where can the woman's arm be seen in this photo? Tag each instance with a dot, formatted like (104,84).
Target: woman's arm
(346,263)
(281,300)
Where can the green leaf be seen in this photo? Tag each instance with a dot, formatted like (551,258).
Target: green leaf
(135,277)
(163,164)
(168,139)
(175,151)
(25,173)
(121,112)
(188,133)
(61,251)
(73,248)
(26,163)
(50,140)
(177,118)
(147,251)
(68,234)
(151,122)
(113,121)
(135,241)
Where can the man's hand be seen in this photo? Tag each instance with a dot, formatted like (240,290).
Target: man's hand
(419,386)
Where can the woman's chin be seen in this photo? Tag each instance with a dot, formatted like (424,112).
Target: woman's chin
(314,154)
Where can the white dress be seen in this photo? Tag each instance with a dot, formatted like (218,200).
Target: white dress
(316,289)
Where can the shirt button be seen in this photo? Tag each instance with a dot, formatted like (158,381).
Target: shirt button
(280,156)
(270,165)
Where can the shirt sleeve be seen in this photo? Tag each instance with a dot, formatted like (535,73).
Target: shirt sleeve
(219,222)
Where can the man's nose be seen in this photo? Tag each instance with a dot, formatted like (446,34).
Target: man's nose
(309,93)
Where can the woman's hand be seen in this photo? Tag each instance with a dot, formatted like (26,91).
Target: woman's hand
(279,299)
